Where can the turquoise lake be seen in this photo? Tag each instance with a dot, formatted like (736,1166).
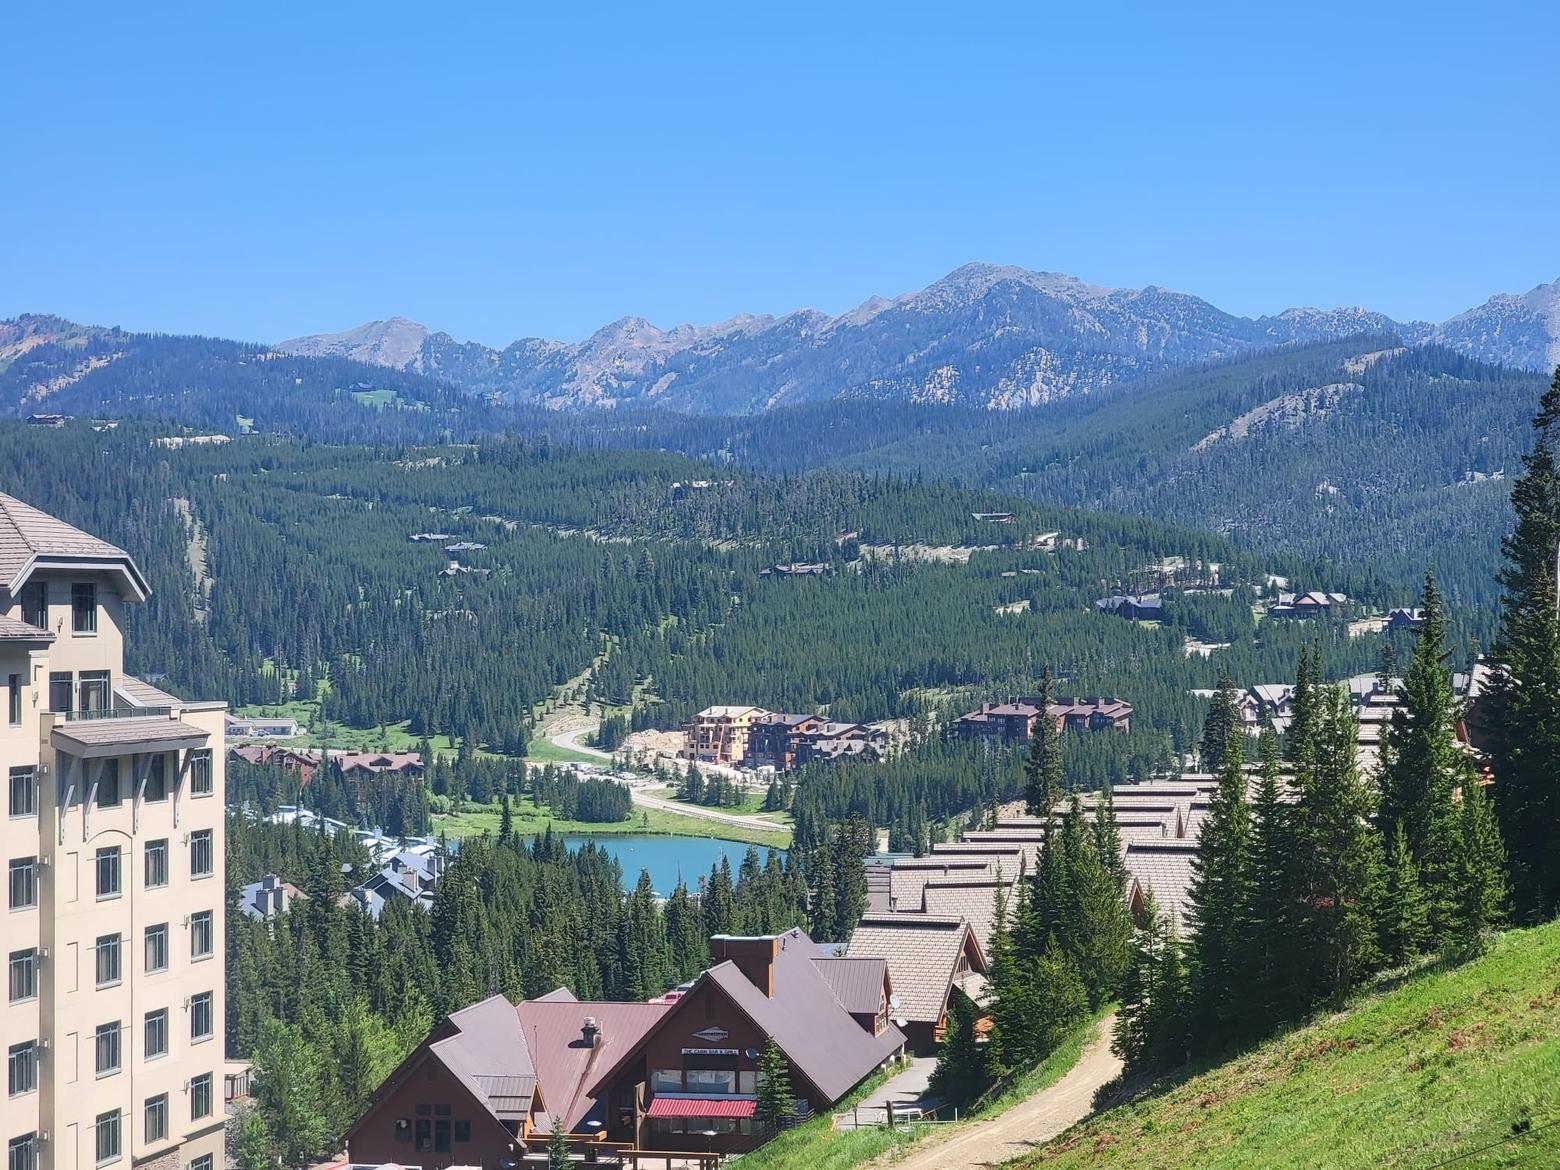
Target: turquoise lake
(666,857)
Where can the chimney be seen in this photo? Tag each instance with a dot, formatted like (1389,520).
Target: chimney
(590,1032)
(754,957)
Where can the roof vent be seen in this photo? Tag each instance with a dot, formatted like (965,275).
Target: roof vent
(590,1030)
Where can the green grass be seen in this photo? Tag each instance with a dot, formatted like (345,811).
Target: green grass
(1434,1069)
(817,1146)
(530,818)
(543,751)
(751,805)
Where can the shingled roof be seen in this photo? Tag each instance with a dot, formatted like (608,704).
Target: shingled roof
(16,630)
(923,953)
(29,537)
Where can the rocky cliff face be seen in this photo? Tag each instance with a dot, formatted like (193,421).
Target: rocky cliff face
(985,335)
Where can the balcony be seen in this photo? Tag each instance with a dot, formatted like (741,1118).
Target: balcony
(118,713)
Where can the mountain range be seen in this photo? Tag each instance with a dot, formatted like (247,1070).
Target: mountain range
(988,336)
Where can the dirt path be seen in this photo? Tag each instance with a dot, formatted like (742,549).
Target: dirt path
(1027,1124)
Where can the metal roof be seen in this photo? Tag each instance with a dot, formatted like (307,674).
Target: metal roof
(16,630)
(664,1106)
(104,737)
(856,983)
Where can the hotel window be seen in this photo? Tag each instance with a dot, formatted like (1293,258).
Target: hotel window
(157,948)
(200,772)
(13,692)
(157,778)
(22,1068)
(24,975)
(35,605)
(201,1163)
(83,607)
(157,863)
(156,1118)
(92,689)
(107,1137)
(201,860)
(200,935)
(107,959)
(24,882)
(108,785)
(24,792)
(106,1040)
(62,685)
(666,1080)
(154,1034)
(23,1152)
(108,872)
(200,1016)
(200,1097)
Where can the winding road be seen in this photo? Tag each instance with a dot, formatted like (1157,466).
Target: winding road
(1028,1124)
(570,741)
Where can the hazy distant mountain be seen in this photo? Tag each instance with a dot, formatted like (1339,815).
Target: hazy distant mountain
(1521,331)
(395,342)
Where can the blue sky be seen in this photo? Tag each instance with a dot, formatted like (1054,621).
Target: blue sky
(502,170)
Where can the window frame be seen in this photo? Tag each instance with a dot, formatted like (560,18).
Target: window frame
(202,772)
(202,1083)
(109,1122)
(114,854)
(25,869)
(203,848)
(110,1034)
(13,688)
(207,1001)
(25,1145)
(155,1022)
(156,790)
(24,1057)
(159,1103)
(62,682)
(110,948)
(24,959)
(94,690)
(27,774)
(83,607)
(158,931)
(159,846)
(204,921)
(110,792)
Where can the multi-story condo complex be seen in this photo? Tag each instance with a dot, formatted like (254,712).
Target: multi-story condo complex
(112,839)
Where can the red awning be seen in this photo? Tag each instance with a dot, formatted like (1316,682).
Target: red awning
(700,1107)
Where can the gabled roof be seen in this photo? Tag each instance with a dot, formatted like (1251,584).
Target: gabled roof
(856,983)
(826,1047)
(566,1067)
(923,954)
(30,538)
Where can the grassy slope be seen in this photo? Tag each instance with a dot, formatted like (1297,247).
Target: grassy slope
(816,1146)
(1436,1068)
(530,818)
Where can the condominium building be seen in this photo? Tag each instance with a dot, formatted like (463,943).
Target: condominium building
(112,839)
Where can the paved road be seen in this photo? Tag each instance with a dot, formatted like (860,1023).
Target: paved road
(904,1088)
(1029,1123)
(570,741)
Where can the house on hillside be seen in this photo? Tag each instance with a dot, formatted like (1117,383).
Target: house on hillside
(796,569)
(994,517)
(1139,607)
(268,897)
(1307,605)
(1404,619)
(262,727)
(1014,720)
(929,959)
(773,738)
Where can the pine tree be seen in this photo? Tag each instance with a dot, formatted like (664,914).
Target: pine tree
(772,1106)
(1339,858)
(558,1147)
(1099,930)
(1405,920)
(506,823)
(1219,896)
(1107,837)
(1221,722)
(1170,995)
(960,1074)
(1523,716)
(1270,913)
(1479,873)
(1422,760)
(1043,764)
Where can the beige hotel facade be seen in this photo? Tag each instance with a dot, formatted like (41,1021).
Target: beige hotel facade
(111,835)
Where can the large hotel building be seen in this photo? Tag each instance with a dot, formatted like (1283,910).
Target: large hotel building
(112,841)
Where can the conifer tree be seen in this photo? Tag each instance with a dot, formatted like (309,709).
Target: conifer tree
(1421,762)
(558,1147)
(1339,857)
(1170,993)
(1270,914)
(1153,1023)
(960,1074)
(1523,717)
(1221,722)
(1043,764)
(772,1106)
(506,823)
(1107,836)
(1405,921)
(1305,720)
(1219,897)
(1478,872)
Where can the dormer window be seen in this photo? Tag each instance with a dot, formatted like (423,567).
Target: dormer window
(83,607)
